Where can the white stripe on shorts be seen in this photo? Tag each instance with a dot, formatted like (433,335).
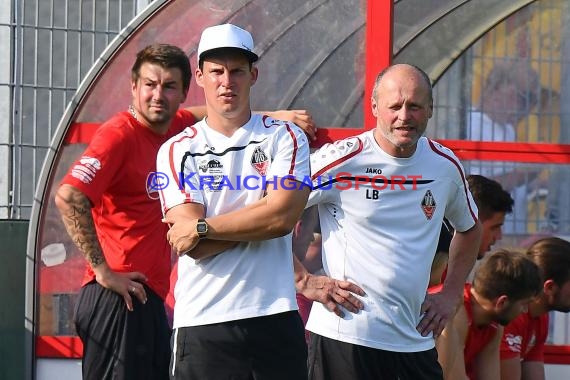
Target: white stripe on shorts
(174,348)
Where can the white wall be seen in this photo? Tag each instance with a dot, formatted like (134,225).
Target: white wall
(57,369)
(557,372)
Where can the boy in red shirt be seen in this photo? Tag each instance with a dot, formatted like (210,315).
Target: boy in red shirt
(522,346)
(502,288)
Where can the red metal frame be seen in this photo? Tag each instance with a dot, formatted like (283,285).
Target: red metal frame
(60,347)
(557,354)
(379,15)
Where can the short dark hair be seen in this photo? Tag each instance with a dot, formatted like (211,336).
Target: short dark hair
(552,255)
(167,56)
(507,273)
(489,196)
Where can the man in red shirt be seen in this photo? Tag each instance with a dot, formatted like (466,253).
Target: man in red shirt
(522,346)
(110,208)
(493,203)
(503,286)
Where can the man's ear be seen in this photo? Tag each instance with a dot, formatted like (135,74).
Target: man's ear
(133,87)
(502,302)
(199,77)
(254,74)
(374,106)
(430,110)
(549,287)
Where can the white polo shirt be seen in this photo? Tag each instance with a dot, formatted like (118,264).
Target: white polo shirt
(225,174)
(383,235)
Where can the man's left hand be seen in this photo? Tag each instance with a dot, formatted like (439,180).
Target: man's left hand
(437,310)
(333,293)
(182,235)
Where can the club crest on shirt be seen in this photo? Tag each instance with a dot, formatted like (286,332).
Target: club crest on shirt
(428,204)
(259,161)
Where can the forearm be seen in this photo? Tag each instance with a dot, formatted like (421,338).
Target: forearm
(75,210)
(511,368)
(187,214)
(268,218)
(456,369)
(533,371)
(209,248)
(272,216)
(462,255)
(301,274)
(446,350)
(263,223)
(488,362)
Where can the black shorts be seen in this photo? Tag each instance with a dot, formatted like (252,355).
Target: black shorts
(331,359)
(263,348)
(119,344)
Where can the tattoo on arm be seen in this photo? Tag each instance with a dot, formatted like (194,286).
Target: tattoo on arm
(78,221)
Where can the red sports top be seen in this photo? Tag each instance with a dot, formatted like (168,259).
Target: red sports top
(525,337)
(114,172)
(477,337)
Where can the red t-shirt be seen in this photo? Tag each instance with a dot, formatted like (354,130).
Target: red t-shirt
(477,337)
(525,337)
(114,173)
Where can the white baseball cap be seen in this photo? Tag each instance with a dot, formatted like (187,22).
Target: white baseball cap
(226,36)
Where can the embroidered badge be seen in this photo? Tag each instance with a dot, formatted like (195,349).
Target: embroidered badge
(260,161)
(428,204)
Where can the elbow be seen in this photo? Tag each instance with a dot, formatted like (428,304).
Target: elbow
(281,227)
(286,223)
(279,231)
(68,196)
(62,199)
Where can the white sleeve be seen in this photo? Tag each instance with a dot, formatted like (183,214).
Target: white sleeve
(461,209)
(176,167)
(291,158)
(322,181)
(326,163)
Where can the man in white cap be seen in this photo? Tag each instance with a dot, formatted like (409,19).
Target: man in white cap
(236,191)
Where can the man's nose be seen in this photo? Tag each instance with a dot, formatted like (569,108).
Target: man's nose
(404,113)
(226,79)
(157,92)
